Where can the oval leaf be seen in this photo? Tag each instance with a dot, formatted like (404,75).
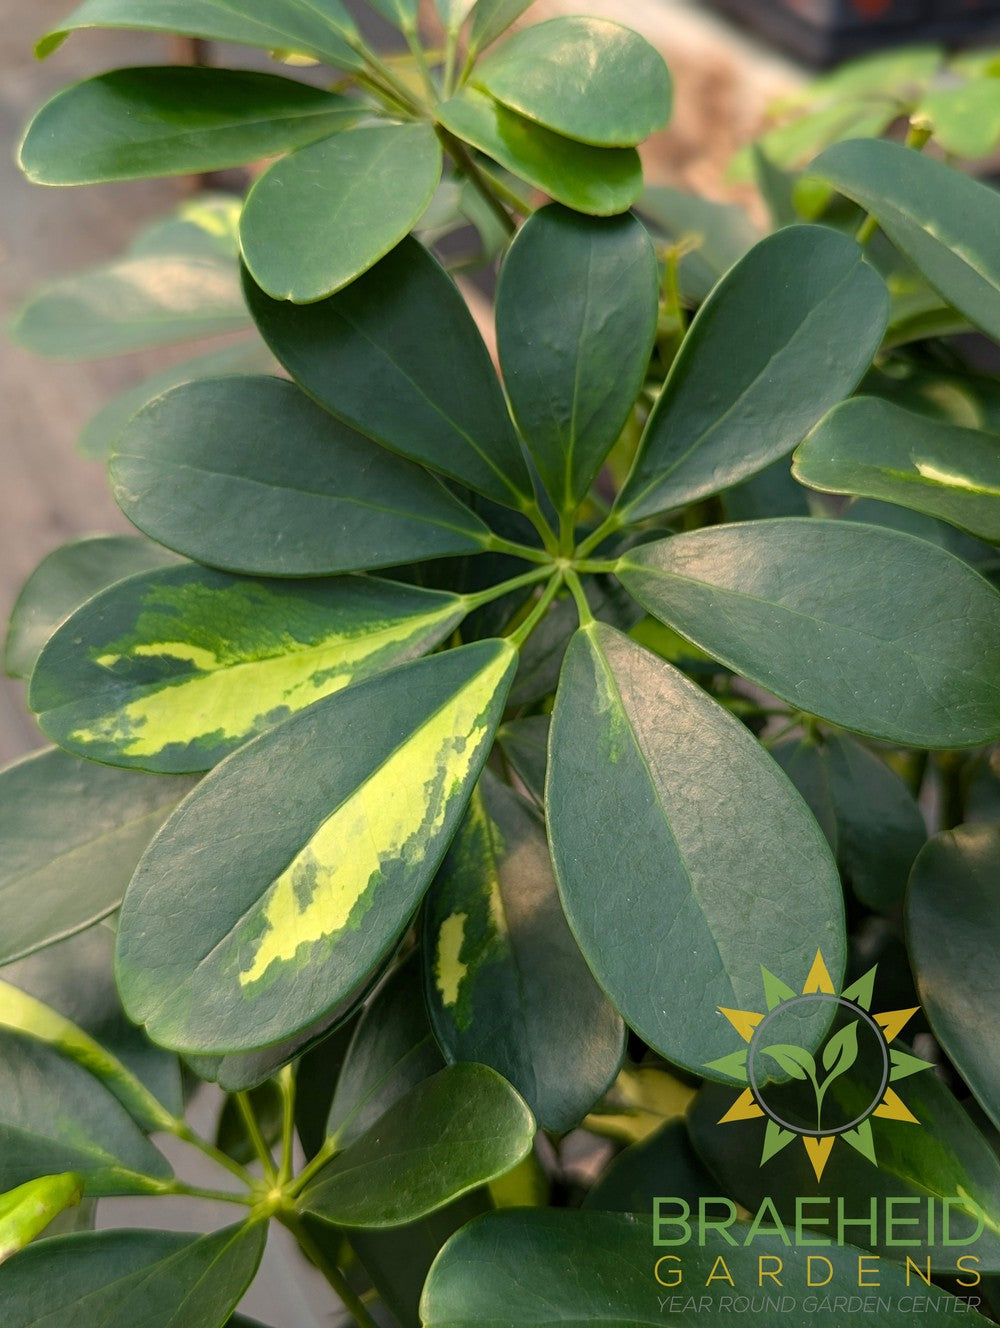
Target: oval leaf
(765,359)
(397,356)
(792,604)
(72,833)
(586,78)
(874,449)
(492,18)
(28,1210)
(133,123)
(952,927)
(601,181)
(453,1132)
(326,213)
(173,669)
(62,582)
(506,983)
(544,1267)
(701,896)
(191,465)
(576,320)
(116,1279)
(943,221)
(312,869)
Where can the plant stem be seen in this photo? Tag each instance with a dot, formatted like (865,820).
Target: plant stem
(286,1085)
(521,634)
(385,94)
(256,1138)
(504,190)
(216,1154)
(450,53)
(497,544)
(465,163)
(351,1301)
(328,1150)
(420,56)
(399,88)
(608,526)
(916,137)
(477,600)
(197,1192)
(598,566)
(579,595)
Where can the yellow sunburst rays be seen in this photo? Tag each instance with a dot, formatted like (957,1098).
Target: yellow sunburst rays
(819,1147)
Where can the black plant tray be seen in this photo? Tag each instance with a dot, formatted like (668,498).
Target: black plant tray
(826,31)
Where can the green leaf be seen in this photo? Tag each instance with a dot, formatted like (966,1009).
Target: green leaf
(544,1267)
(867,813)
(453,1132)
(525,744)
(325,214)
(55,1116)
(701,896)
(576,322)
(640,1172)
(745,389)
(401,12)
(944,1156)
(72,833)
(133,123)
(878,450)
(453,13)
(944,222)
(101,433)
(491,19)
(173,669)
(178,280)
(28,1210)
(965,120)
(116,1279)
(232,1135)
(392,1050)
(335,854)
(506,983)
(324,498)
(796,1062)
(588,79)
(840,1052)
(952,929)
(601,181)
(325,32)
(62,581)
(397,356)
(792,604)
(712,235)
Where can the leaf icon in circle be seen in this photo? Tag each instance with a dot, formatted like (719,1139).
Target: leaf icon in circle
(840,1052)
(795,1061)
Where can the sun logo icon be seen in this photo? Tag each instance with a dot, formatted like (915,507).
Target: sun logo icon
(827,1095)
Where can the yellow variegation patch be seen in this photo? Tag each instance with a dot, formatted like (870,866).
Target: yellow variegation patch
(449,971)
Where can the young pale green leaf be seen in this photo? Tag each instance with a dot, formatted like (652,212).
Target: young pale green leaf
(117,1279)
(28,1210)
(491,19)
(874,826)
(326,32)
(62,581)
(793,604)
(714,235)
(964,120)
(133,123)
(952,929)
(576,322)
(171,670)
(397,356)
(506,983)
(453,13)
(941,1155)
(943,221)
(588,79)
(192,465)
(56,1116)
(546,1267)
(875,449)
(600,181)
(451,1133)
(72,834)
(764,360)
(392,1050)
(325,214)
(254,943)
(695,895)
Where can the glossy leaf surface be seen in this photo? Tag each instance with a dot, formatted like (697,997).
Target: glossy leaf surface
(576,319)
(765,358)
(506,983)
(600,181)
(321,216)
(792,604)
(333,855)
(952,925)
(652,879)
(874,449)
(171,670)
(132,123)
(26,1211)
(585,78)
(449,1134)
(72,835)
(368,356)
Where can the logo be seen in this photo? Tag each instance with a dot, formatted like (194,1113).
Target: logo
(823,1096)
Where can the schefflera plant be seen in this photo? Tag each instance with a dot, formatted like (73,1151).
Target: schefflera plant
(406,680)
